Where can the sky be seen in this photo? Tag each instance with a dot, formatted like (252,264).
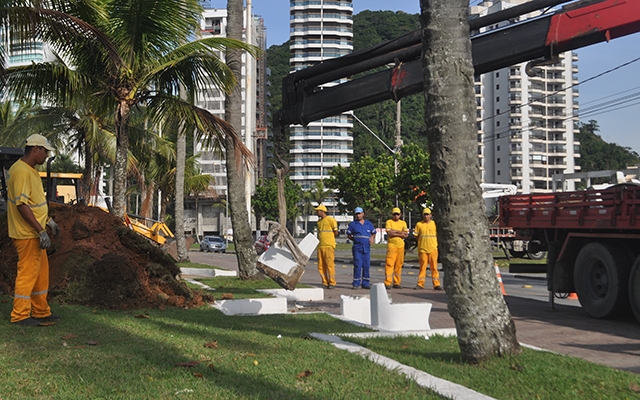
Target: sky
(621,126)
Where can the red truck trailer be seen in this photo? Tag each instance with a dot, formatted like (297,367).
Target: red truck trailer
(592,238)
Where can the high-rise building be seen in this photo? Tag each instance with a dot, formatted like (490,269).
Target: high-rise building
(526,117)
(320,30)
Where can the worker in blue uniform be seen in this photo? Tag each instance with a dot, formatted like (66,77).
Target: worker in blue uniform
(362,233)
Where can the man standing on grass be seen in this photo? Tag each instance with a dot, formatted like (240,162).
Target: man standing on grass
(397,231)
(327,232)
(362,233)
(28,217)
(425,232)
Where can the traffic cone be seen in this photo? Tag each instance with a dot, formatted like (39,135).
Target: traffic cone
(572,296)
(504,293)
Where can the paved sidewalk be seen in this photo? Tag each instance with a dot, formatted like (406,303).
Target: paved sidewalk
(565,330)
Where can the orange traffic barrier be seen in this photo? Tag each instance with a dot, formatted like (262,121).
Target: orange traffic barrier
(572,296)
(504,293)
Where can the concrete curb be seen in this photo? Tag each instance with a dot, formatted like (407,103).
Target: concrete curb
(206,272)
(438,385)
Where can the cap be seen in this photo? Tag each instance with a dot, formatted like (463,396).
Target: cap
(321,207)
(358,210)
(39,140)
(426,211)
(396,211)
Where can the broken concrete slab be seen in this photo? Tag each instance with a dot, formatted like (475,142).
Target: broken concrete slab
(277,305)
(300,294)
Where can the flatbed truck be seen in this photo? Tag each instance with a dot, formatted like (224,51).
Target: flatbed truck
(592,239)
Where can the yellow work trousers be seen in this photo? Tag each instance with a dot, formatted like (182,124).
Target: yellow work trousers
(393,265)
(32,281)
(430,259)
(327,265)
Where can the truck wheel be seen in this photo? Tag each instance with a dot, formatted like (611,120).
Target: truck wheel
(539,255)
(634,289)
(600,277)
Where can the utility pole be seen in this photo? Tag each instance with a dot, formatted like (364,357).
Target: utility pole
(398,142)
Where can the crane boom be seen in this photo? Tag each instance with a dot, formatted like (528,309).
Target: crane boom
(578,24)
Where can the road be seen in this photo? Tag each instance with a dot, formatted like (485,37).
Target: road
(567,329)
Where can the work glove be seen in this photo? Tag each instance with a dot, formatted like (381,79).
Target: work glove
(55,229)
(45,240)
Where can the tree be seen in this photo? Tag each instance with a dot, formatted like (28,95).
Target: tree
(484,326)
(368,183)
(265,199)
(598,155)
(244,243)
(144,56)
(413,180)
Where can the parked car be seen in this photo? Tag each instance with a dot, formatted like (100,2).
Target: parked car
(213,243)
(262,244)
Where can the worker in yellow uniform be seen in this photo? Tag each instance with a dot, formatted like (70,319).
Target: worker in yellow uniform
(28,217)
(327,232)
(397,231)
(425,233)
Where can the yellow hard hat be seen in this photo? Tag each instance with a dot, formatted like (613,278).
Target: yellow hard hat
(396,211)
(426,211)
(321,207)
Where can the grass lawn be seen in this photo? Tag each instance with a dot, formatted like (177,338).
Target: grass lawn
(203,354)
(186,354)
(530,375)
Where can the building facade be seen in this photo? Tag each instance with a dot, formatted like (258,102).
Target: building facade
(320,30)
(526,117)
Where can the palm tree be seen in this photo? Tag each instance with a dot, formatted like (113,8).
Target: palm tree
(143,57)
(242,238)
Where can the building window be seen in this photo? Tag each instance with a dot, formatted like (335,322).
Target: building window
(498,160)
(498,99)
(498,148)
(498,87)
(497,74)
(498,172)
(498,111)
(497,123)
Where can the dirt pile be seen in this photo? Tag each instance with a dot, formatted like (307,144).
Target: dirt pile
(98,261)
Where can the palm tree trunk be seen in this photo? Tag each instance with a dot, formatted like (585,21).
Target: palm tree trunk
(181,154)
(242,238)
(88,173)
(484,325)
(122,155)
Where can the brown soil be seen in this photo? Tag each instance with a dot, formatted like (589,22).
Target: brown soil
(98,261)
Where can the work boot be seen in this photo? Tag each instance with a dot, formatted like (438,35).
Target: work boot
(50,318)
(397,287)
(28,322)
(418,287)
(437,288)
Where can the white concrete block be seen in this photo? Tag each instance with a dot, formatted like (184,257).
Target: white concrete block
(281,259)
(397,317)
(356,308)
(276,305)
(207,272)
(303,294)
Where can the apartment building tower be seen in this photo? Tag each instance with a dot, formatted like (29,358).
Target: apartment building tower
(526,117)
(320,30)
